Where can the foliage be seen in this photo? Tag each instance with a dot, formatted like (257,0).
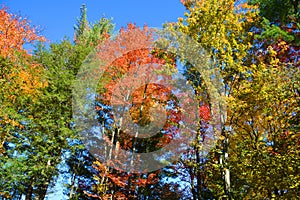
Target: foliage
(223,29)
(254,46)
(136,56)
(262,99)
(22,80)
(283,11)
(44,134)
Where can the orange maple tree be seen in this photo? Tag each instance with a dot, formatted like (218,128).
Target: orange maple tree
(15,32)
(131,83)
(136,89)
(21,77)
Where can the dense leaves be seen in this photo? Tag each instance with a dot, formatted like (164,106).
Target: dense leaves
(255,48)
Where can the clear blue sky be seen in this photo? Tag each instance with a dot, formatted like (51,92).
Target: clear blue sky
(56,18)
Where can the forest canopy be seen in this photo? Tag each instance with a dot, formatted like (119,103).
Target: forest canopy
(206,108)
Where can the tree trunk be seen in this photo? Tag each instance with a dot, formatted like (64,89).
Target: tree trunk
(198,166)
(29,191)
(43,190)
(223,160)
(72,186)
(194,192)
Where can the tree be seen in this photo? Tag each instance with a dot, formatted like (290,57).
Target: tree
(266,149)
(137,94)
(222,28)
(261,103)
(21,81)
(63,61)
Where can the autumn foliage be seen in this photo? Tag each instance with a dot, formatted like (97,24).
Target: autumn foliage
(137,108)
(15,32)
(130,82)
(21,77)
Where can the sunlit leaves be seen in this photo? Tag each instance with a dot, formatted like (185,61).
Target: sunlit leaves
(20,76)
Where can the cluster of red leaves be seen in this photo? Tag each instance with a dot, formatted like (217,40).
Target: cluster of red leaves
(284,142)
(14,33)
(130,181)
(287,54)
(135,58)
(204,112)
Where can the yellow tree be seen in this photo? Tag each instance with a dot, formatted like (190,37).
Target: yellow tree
(222,28)
(265,152)
(265,149)
(262,94)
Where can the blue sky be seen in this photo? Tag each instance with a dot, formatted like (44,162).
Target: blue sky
(56,18)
